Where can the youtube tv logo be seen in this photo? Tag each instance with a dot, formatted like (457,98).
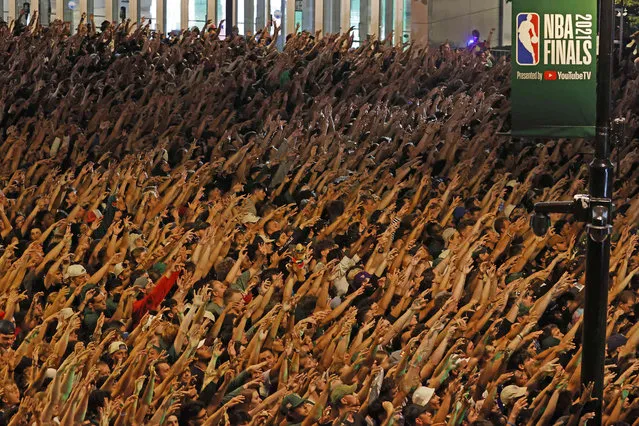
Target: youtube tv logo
(550,75)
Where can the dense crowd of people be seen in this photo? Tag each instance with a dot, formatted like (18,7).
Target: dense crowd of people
(199,231)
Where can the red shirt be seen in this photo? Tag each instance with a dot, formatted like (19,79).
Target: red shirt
(153,299)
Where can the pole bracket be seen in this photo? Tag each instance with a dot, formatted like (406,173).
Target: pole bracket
(596,212)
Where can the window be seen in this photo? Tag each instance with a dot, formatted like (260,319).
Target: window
(356,22)
(173,15)
(99,11)
(147,10)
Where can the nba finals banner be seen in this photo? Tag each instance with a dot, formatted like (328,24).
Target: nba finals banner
(554,62)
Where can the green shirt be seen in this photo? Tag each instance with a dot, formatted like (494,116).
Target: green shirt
(242,281)
(90,320)
(214,308)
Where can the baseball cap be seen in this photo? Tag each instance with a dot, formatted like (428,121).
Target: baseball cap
(360,277)
(512,392)
(250,218)
(459,212)
(291,402)
(422,395)
(117,346)
(616,341)
(340,391)
(94,215)
(159,267)
(117,269)
(413,411)
(132,239)
(448,233)
(75,271)
(141,282)
(65,313)
(7,327)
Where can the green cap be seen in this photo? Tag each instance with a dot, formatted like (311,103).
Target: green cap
(159,267)
(291,402)
(340,391)
(512,277)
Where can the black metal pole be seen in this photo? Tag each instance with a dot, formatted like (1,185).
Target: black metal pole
(500,29)
(228,24)
(598,254)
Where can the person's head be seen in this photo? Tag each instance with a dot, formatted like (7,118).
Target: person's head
(138,254)
(268,357)
(258,192)
(528,300)
(511,393)
(7,334)
(77,275)
(280,238)
(193,413)
(555,331)
(231,296)
(295,408)
(271,226)
(120,207)
(162,368)
(520,362)
(165,166)
(239,418)
(218,289)
(423,395)
(97,303)
(173,307)
(171,420)
(35,233)
(11,394)
(418,415)
(103,369)
(626,300)
(72,197)
(118,352)
(251,399)
(97,400)
(223,267)
(343,397)
(186,377)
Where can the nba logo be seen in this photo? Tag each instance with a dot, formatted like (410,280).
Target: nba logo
(527,39)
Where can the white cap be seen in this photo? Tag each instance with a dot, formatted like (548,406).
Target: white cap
(117,269)
(132,239)
(250,218)
(117,346)
(448,233)
(444,254)
(512,392)
(75,271)
(422,395)
(64,313)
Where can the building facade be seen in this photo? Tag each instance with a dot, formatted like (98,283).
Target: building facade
(415,21)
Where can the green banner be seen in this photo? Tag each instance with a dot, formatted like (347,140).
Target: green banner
(554,63)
